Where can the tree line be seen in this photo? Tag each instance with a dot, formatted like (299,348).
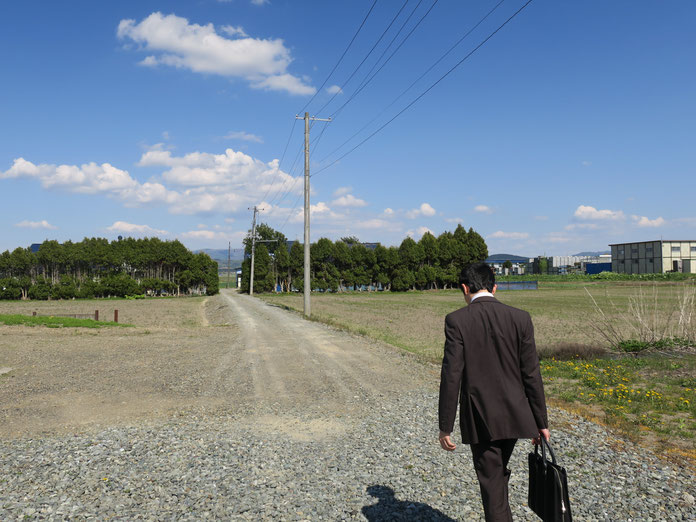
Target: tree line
(430,263)
(95,267)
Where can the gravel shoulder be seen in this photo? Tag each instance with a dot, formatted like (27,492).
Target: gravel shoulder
(248,412)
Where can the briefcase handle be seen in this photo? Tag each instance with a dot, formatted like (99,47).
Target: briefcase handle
(544,443)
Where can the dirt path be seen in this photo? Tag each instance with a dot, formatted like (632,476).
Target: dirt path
(228,353)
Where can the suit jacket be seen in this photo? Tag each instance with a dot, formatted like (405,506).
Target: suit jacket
(492,366)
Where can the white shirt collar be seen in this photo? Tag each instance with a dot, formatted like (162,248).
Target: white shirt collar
(482,293)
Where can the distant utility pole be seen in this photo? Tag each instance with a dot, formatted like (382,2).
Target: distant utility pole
(253,250)
(307,274)
(229,259)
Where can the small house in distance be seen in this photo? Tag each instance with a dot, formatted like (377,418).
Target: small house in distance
(654,257)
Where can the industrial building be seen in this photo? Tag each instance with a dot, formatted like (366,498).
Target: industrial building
(654,257)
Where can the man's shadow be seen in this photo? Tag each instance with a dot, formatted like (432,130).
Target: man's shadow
(389,508)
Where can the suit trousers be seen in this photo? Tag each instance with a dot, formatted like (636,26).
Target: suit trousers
(490,461)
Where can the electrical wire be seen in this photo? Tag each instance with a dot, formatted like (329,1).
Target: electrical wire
(370,52)
(456,44)
(367,82)
(341,58)
(428,89)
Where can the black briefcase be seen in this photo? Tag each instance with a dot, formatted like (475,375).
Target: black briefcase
(548,486)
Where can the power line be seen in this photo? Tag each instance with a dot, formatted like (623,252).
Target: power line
(428,89)
(456,44)
(280,163)
(370,52)
(366,83)
(341,58)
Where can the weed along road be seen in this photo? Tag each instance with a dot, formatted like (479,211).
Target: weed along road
(232,409)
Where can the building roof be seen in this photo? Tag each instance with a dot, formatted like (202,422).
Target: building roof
(655,241)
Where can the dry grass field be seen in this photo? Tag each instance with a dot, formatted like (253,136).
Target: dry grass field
(414,321)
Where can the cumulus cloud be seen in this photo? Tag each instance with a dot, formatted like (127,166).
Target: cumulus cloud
(244,136)
(175,42)
(591,213)
(483,209)
(643,221)
(388,212)
(202,182)
(349,201)
(91,178)
(342,191)
(509,235)
(418,233)
(131,228)
(334,89)
(233,31)
(424,210)
(36,224)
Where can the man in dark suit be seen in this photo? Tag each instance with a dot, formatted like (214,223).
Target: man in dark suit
(492,367)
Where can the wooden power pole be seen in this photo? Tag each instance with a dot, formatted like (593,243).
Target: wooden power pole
(307,273)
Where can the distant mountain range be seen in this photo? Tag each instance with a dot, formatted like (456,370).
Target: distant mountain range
(497,258)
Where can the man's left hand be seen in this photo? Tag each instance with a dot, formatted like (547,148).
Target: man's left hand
(446,441)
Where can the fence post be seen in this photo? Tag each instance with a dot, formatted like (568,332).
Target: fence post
(96,315)
(115,316)
(33,314)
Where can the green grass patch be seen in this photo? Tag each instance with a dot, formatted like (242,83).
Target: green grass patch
(653,392)
(54,322)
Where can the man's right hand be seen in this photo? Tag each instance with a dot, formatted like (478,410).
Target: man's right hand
(542,433)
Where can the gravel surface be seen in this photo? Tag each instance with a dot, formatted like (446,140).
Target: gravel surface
(349,431)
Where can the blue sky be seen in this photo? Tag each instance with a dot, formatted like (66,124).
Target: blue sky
(571,128)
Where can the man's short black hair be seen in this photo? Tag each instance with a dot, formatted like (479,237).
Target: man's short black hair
(477,276)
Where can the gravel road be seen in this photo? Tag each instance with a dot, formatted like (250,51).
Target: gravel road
(278,418)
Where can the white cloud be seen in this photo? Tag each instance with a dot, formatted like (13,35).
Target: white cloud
(388,212)
(373,223)
(199,48)
(509,235)
(205,182)
(232,31)
(245,136)
(424,210)
(342,191)
(582,226)
(591,213)
(643,221)
(418,233)
(260,2)
(349,201)
(36,224)
(130,228)
(454,220)
(203,234)
(91,178)
(334,89)
(484,209)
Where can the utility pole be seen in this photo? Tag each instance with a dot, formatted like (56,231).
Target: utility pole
(229,260)
(307,274)
(253,251)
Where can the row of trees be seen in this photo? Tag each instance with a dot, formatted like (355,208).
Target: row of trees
(431,262)
(95,267)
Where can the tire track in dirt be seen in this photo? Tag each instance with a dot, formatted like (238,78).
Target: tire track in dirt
(300,363)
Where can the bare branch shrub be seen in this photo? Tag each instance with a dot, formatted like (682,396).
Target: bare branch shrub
(650,319)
